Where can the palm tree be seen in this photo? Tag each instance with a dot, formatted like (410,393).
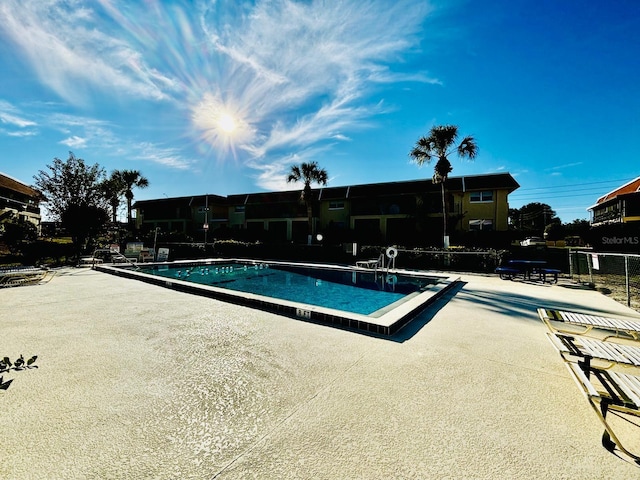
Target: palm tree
(131,179)
(308,173)
(439,144)
(114,189)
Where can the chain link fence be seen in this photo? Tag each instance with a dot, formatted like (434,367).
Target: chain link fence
(615,274)
(468,260)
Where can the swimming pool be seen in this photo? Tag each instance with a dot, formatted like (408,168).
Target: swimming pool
(356,298)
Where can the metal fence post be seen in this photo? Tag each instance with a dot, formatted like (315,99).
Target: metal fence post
(571,263)
(626,279)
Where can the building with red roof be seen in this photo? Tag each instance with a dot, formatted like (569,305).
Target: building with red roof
(621,205)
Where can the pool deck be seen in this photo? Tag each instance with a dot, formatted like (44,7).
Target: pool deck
(137,381)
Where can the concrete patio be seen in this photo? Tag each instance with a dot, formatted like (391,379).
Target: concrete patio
(136,381)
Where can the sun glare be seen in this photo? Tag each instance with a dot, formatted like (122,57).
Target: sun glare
(227,123)
(221,124)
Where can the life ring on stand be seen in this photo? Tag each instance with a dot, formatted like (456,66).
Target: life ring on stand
(392,252)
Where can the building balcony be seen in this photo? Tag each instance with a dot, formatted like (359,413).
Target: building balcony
(606,218)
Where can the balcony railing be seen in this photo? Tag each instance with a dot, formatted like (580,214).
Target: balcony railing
(607,217)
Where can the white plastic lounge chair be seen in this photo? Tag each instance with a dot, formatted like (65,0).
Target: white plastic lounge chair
(570,322)
(371,264)
(609,391)
(13,277)
(606,354)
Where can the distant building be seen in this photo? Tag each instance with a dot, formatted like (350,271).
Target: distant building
(19,201)
(392,212)
(615,219)
(621,205)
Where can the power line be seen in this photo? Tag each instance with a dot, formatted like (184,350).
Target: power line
(512,197)
(617,182)
(553,191)
(563,189)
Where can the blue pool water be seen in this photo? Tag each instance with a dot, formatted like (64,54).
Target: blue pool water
(347,290)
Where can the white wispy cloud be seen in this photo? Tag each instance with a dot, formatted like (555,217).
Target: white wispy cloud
(19,133)
(305,68)
(296,75)
(74,142)
(272,175)
(10,115)
(168,157)
(73,54)
(14,120)
(86,132)
(564,166)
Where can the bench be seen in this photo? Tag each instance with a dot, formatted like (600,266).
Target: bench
(508,272)
(528,268)
(549,271)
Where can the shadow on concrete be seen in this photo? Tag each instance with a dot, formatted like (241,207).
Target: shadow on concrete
(524,306)
(424,317)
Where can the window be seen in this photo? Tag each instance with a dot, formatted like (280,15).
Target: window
(486,196)
(239,209)
(336,205)
(479,224)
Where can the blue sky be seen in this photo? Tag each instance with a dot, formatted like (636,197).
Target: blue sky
(224,96)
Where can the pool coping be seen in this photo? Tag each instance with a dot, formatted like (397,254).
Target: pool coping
(386,324)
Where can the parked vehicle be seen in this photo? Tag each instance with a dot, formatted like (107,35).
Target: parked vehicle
(533,241)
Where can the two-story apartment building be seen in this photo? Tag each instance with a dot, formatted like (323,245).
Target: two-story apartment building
(615,219)
(391,212)
(19,201)
(621,205)
(182,214)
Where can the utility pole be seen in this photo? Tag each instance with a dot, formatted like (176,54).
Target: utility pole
(206,219)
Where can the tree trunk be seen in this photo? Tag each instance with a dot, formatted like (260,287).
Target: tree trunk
(310,222)
(444,212)
(129,213)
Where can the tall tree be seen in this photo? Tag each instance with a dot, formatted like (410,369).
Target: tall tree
(131,179)
(114,189)
(439,144)
(74,196)
(70,182)
(578,227)
(308,173)
(532,218)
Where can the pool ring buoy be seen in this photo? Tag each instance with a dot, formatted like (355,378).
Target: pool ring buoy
(392,252)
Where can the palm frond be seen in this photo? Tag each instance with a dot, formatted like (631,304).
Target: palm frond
(468,148)
(422,152)
(295,174)
(443,137)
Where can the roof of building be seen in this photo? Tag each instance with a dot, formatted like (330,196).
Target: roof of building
(190,199)
(17,186)
(631,187)
(409,187)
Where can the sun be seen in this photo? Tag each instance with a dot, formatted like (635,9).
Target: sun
(221,124)
(227,123)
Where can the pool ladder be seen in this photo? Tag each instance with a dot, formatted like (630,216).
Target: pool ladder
(391,264)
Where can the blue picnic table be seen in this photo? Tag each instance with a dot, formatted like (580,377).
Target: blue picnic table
(526,268)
